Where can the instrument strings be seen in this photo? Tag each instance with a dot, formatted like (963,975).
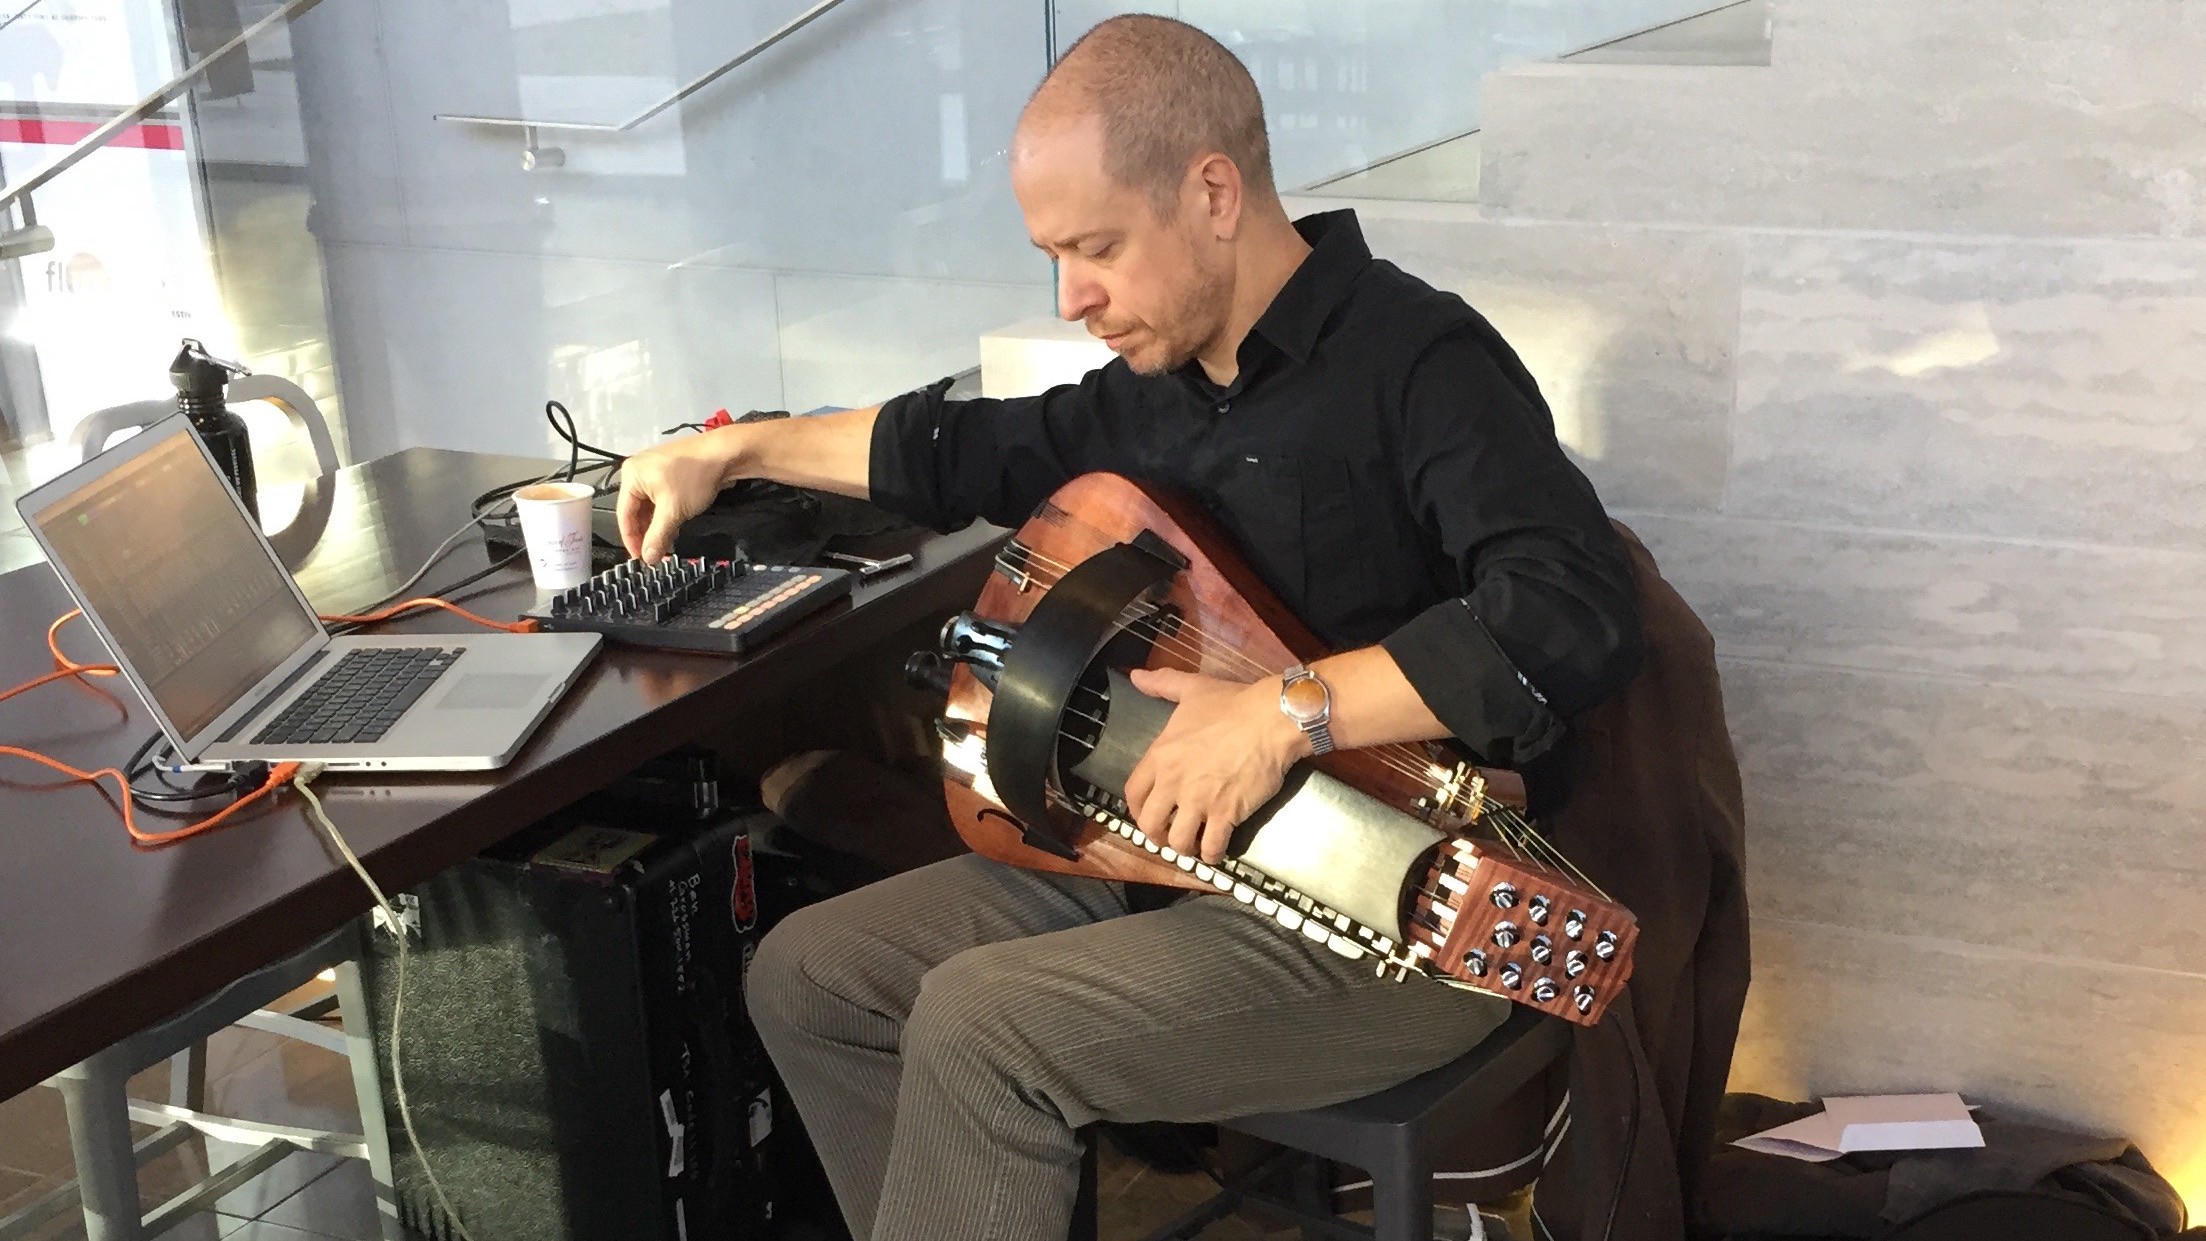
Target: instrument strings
(1512,829)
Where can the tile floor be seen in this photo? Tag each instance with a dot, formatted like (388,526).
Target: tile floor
(311,1197)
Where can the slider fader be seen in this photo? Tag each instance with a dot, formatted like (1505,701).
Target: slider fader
(694,605)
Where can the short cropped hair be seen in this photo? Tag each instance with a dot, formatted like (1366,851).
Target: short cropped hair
(1166,93)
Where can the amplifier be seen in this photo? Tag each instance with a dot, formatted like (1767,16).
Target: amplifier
(577,1058)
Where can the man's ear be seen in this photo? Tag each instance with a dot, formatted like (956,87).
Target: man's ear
(1219,181)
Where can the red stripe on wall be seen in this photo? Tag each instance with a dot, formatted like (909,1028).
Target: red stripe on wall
(154,136)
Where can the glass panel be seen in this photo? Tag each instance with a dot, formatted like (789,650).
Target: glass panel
(1350,83)
(190,223)
(829,224)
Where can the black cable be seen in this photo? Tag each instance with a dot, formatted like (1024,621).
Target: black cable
(1631,1140)
(554,412)
(141,763)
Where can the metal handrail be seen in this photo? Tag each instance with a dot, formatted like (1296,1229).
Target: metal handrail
(161,97)
(793,25)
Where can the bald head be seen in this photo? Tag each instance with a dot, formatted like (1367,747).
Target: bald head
(1164,95)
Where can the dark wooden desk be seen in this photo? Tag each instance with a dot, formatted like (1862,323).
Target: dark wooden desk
(99,938)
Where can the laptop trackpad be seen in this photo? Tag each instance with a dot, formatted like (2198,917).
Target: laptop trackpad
(494,690)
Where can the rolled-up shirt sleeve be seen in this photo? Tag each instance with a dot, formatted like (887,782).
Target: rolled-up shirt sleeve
(942,463)
(1548,622)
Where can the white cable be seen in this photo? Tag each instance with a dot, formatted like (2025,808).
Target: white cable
(307,771)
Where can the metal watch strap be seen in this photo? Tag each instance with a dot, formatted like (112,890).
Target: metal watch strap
(1319,730)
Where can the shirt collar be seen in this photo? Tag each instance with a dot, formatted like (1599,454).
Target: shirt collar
(1338,254)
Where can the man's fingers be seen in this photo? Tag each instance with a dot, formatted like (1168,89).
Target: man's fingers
(659,540)
(1217,834)
(1165,683)
(635,518)
(1138,783)
(1187,829)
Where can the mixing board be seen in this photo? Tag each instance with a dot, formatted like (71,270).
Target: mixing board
(694,605)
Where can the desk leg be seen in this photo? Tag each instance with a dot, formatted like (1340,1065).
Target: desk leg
(367,1086)
(96,1096)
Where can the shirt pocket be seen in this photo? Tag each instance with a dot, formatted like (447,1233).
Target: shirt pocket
(1344,562)
(1295,521)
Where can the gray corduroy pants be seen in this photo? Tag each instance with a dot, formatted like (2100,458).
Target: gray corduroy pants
(944,1032)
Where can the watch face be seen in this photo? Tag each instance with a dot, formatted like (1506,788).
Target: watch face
(1305,699)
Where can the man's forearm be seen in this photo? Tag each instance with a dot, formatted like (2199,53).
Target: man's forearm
(826,452)
(1373,703)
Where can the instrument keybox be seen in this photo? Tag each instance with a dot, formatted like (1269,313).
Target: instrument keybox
(694,605)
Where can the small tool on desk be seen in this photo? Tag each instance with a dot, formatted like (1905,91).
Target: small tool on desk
(868,568)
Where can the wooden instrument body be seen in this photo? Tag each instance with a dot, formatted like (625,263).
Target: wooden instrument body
(1230,626)
(1247,634)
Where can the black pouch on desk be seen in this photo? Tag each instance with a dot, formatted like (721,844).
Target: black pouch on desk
(578,1061)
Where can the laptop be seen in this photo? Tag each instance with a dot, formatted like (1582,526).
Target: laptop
(216,637)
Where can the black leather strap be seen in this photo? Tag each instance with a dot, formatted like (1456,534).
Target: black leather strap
(1054,647)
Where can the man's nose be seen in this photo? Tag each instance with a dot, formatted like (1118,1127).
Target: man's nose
(1077,294)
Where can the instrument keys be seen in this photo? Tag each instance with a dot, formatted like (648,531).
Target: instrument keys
(1244,893)
(1222,881)
(1267,906)
(1542,950)
(1505,934)
(1504,896)
(1604,946)
(1474,962)
(1545,990)
(1582,996)
(1575,925)
(1536,909)
(1512,975)
(1205,872)
(1186,862)
(1289,918)
(1574,963)
(1168,853)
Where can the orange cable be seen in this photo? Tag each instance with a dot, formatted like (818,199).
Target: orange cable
(64,667)
(400,609)
(278,776)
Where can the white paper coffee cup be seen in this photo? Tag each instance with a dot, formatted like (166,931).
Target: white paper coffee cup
(555,526)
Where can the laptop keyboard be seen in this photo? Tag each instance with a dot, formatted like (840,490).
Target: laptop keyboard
(360,697)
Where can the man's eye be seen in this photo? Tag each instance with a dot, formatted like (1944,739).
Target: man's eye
(1104,251)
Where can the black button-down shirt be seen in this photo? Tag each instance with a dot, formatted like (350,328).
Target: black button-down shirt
(1386,464)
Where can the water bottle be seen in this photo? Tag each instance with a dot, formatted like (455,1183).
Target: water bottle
(202,385)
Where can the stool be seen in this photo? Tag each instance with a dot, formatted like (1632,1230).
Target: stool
(1391,1134)
(92,435)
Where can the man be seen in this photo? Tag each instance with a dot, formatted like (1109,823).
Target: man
(1387,466)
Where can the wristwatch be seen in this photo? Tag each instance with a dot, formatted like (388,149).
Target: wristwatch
(1308,701)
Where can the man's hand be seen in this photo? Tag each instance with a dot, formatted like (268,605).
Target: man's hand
(1224,753)
(666,485)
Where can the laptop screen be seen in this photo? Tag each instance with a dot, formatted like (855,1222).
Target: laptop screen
(188,594)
